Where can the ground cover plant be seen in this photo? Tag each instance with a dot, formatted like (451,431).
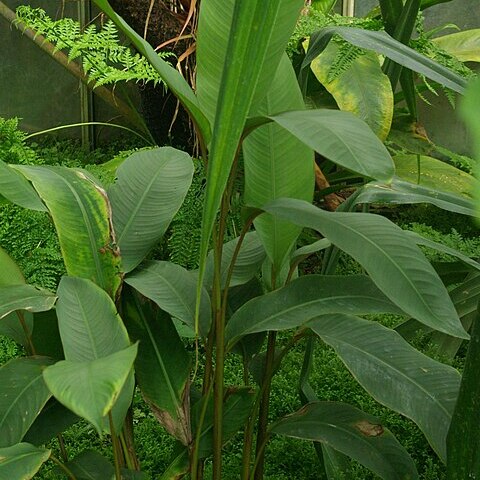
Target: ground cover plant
(117,312)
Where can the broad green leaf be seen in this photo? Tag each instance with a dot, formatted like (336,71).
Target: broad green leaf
(24,394)
(162,366)
(249,260)
(307,250)
(22,461)
(463,45)
(52,420)
(258,33)
(178,467)
(384,44)
(150,188)
(393,261)
(434,174)
(173,289)
(16,188)
(352,432)
(394,373)
(363,89)
(90,465)
(324,6)
(419,240)
(25,297)
(46,335)
(90,389)
(277,165)
(305,298)
(400,192)
(89,324)
(463,440)
(431,3)
(91,329)
(10,273)
(342,138)
(172,77)
(82,215)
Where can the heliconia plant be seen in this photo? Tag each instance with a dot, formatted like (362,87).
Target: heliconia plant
(117,317)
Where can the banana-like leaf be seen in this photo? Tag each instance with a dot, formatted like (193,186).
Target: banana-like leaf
(394,373)
(25,297)
(52,420)
(254,44)
(91,329)
(420,240)
(90,465)
(431,3)
(172,78)
(384,44)
(399,192)
(463,440)
(305,298)
(16,188)
(90,389)
(248,263)
(82,215)
(22,461)
(277,164)
(46,335)
(362,89)
(150,188)
(342,138)
(463,45)
(24,394)
(432,173)
(352,432)
(173,289)
(162,366)
(307,250)
(393,261)
(10,273)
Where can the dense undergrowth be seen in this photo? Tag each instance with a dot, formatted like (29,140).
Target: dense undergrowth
(30,239)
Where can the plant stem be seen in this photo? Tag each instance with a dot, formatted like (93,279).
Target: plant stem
(67,471)
(264,406)
(63,450)
(128,444)
(28,334)
(116,448)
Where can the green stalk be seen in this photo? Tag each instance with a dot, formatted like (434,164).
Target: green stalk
(262,436)
(61,465)
(116,448)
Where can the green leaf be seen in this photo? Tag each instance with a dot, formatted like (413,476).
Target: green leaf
(91,329)
(394,373)
(363,89)
(22,461)
(52,420)
(277,165)
(11,327)
(82,215)
(10,273)
(391,12)
(434,174)
(384,44)
(463,45)
(305,298)
(173,289)
(307,250)
(90,465)
(46,336)
(89,324)
(16,188)
(463,440)
(90,389)
(172,78)
(342,138)
(257,36)
(400,192)
(150,188)
(248,262)
(323,6)
(352,432)
(162,366)
(25,297)
(23,396)
(393,261)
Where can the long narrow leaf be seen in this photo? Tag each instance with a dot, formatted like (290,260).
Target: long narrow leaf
(384,44)
(394,373)
(393,261)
